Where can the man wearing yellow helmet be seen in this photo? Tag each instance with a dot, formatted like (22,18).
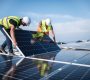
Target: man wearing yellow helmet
(11,23)
(44,27)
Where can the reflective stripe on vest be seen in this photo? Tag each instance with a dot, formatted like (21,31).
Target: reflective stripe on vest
(5,21)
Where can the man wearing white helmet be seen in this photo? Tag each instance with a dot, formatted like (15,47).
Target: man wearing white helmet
(11,23)
(45,27)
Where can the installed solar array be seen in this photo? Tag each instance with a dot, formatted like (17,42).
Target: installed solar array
(65,65)
(24,37)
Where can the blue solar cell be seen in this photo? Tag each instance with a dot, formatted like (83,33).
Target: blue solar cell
(24,37)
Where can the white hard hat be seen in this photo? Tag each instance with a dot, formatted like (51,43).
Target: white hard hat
(26,20)
(48,22)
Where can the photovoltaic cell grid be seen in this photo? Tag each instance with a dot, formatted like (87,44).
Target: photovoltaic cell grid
(24,37)
(16,68)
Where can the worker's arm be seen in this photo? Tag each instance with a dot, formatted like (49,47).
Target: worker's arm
(53,34)
(12,33)
(39,27)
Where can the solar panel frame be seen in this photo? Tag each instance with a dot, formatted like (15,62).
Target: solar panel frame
(26,48)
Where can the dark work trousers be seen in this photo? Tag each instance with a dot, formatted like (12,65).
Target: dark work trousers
(7,42)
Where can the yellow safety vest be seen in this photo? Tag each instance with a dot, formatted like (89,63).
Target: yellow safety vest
(43,27)
(5,21)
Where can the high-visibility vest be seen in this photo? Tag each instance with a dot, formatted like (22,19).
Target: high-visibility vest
(5,21)
(43,27)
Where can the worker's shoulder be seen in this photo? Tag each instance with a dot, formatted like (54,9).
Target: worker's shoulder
(9,17)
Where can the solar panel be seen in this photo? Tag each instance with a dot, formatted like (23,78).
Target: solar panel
(18,68)
(85,46)
(52,65)
(24,38)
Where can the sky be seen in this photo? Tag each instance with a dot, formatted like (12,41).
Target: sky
(70,18)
